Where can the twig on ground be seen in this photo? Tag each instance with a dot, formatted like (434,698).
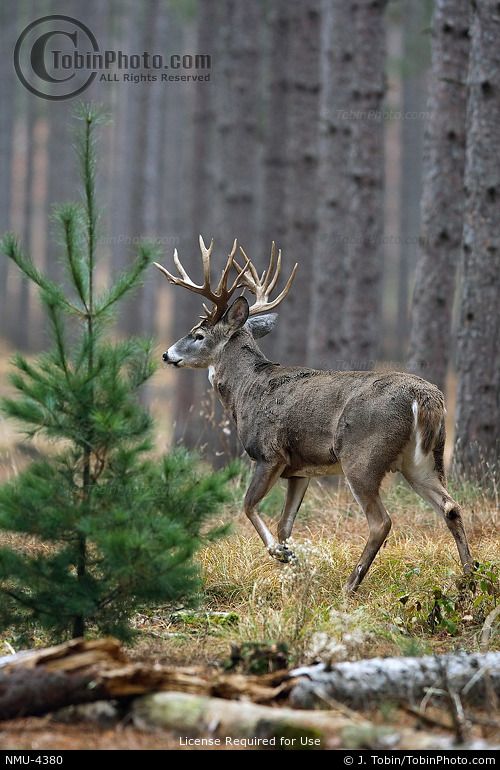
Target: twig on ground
(425,717)
(456,710)
(487,629)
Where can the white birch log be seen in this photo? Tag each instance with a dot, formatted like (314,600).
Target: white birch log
(360,684)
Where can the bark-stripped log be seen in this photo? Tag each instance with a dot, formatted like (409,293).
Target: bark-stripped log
(367,682)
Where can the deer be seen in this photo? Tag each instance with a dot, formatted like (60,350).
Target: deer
(297,423)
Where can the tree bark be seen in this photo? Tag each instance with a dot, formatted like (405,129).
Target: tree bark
(364,683)
(191,385)
(326,343)
(22,335)
(144,200)
(443,199)
(241,150)
(415,64)
(366,190)
(301,174)
(478,397)
(276,105)
(8,26)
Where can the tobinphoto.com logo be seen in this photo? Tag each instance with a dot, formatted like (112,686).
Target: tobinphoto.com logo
(57,57)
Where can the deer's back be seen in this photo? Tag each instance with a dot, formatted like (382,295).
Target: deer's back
(313,417)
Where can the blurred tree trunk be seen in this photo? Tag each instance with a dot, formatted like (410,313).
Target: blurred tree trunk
(191,385)
(147,204)
(478,398)
(443,199)
(415,22)
(276,106)
(124,106)
(23,308)
(326,344)
(8,27)
(301,169)
(237,160)
(239,125)
(366,190)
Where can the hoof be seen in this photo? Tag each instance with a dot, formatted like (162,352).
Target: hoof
(282,553)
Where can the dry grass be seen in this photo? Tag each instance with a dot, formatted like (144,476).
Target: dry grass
(303,606)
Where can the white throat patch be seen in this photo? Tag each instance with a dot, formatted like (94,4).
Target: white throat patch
(211,375)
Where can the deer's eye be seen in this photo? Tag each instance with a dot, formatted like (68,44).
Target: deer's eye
(199,337)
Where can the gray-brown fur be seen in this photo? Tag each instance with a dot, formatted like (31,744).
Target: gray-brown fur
(296,423)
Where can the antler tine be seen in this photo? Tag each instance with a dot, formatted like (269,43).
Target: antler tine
(222,285)
(276,275)
(251,266)
(164,270)
(241,273)
(268,274)
(177,262)
(206,255)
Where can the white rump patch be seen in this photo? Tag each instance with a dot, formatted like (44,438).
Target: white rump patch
(419,456)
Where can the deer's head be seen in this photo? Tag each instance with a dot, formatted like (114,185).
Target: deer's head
(202,346)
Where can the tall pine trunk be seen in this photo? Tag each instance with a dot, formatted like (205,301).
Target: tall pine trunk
(326,343)
(190,389)
(241,151)
(366,190)
(415,55)
(23,307)
(301,180)
(443,199)
(276,101)
(478,398)
(144,199)
(8,21)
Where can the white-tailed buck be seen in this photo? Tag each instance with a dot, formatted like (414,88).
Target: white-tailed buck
(296,423)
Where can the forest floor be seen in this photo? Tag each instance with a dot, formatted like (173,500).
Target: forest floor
(256,614)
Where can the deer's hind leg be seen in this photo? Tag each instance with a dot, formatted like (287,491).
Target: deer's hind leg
(379,524)
(425,475)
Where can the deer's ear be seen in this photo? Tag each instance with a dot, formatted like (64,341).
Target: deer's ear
(260,325)
(237,315)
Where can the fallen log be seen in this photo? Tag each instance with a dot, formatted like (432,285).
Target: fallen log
(364,683)
(208,722)
(34,682)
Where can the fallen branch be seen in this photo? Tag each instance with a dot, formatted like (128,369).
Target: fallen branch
(35,682)
(363,683)
(222,722)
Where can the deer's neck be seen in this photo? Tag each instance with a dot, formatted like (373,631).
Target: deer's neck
(241,371)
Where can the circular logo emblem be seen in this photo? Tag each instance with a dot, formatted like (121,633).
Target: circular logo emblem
(54,57)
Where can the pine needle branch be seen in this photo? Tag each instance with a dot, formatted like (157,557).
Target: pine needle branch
(69,217)
(129,279)
(11,248)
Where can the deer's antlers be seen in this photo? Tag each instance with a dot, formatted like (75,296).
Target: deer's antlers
(263,286)
(246,277)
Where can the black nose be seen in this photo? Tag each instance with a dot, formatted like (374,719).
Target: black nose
(165,356)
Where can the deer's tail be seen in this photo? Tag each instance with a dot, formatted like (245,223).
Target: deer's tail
(430,430)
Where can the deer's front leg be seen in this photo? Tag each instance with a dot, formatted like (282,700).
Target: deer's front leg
(265,476)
